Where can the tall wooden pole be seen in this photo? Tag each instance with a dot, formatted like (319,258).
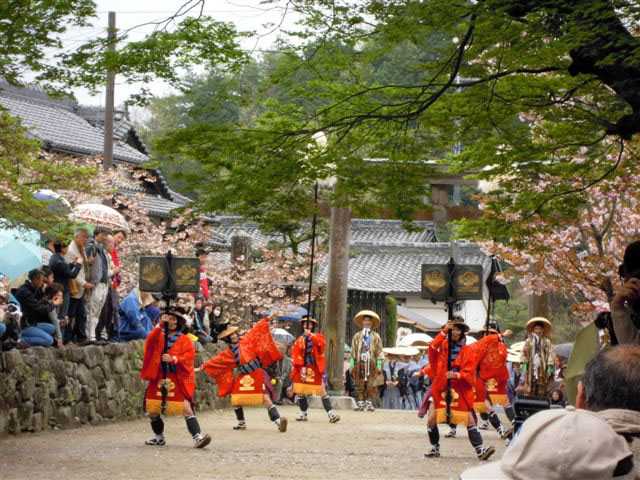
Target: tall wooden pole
(109,105)
(337,286)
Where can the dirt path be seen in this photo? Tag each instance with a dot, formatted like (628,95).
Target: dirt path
(381,445)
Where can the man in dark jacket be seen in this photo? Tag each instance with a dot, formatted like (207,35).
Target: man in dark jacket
(35,308)
(36,327)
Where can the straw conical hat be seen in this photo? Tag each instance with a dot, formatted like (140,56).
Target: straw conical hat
(539,320)
(228,331)
(375,318)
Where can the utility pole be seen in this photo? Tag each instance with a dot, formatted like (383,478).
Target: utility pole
(109,107)
(337,287)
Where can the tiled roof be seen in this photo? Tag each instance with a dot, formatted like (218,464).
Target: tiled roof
(364,232)
(157,206)
(396,269)
(419,318)
(59,127)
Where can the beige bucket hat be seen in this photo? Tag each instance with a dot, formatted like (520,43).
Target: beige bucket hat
(560,444)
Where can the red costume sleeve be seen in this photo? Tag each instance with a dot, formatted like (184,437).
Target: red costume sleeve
(319,344)
(434,350)
(153,346)
(220,369)
(258,342)
(184,352)
(467,364)
(297,353)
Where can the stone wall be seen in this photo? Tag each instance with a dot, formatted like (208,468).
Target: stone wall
(45,388)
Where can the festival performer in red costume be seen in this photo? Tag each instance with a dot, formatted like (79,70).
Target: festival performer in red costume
(463,378)
(307,375)
(179,379)
(239,371)
(492,377)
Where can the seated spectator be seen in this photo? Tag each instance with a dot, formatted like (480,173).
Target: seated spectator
(135,323)
(37,329)
(55,296)
(30,296)
(584,447)
(199,321)
(557,398)
(610,386)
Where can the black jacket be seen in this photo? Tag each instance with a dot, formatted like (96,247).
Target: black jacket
(63,271)
(35,308)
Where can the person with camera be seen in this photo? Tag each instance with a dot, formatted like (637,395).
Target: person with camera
(625,305)
(171,368)
(461,378)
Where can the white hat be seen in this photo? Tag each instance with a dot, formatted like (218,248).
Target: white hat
(401,351)
(560,444)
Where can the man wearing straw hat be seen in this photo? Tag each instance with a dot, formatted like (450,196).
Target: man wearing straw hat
(366,359)
(239,371)
(537,356)
(462,377)
(307,375)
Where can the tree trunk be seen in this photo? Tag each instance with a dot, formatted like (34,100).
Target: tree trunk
(337,286)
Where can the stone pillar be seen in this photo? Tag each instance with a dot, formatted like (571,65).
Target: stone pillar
(241,249)
(439,203)
(337,286)
(539,306)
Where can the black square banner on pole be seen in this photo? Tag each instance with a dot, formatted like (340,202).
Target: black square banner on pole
(169,274)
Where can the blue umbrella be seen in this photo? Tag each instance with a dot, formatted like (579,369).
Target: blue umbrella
(55,202)
(19,252)
(292,314)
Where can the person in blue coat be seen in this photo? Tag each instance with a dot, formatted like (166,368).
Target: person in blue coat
(135,320)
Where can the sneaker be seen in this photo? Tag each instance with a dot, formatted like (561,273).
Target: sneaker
(484,425)
(360,407)
(451,433)
(156,442)
(302,417)
(433,453)
(370,407)
(333,417)
(282,424)
(505,433)
(240,426)
(201,440)
(486,452)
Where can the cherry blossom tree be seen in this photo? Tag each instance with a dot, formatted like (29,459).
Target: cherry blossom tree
(579,258)
(276,279)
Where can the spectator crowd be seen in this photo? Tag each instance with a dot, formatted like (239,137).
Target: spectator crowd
(74,298)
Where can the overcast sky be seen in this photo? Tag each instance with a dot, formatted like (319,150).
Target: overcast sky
(247,15)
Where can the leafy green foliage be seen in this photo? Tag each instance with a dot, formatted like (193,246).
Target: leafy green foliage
(24,170)
(29,28)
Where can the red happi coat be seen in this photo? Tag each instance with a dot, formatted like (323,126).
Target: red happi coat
(312,383)
(257,343)
(462,388)
(493,375)
(182,383)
